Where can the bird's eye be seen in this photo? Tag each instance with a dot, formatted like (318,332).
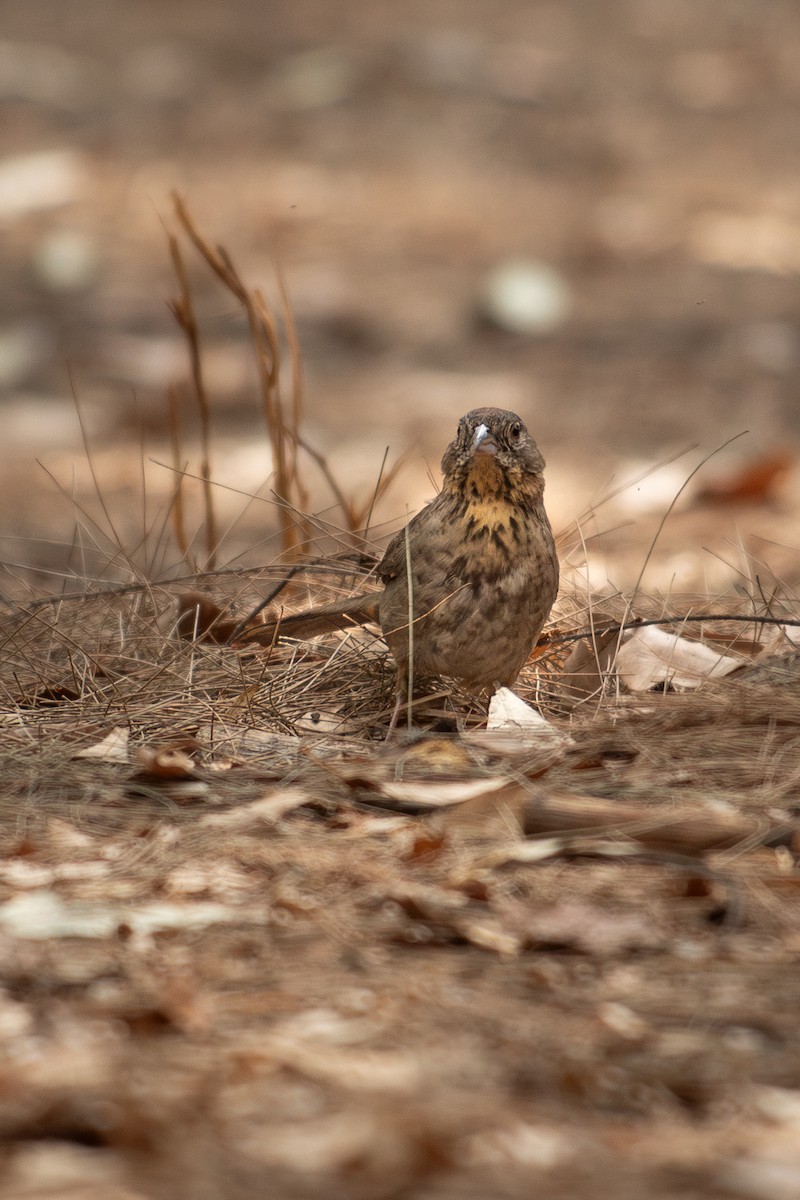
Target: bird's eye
(515,431)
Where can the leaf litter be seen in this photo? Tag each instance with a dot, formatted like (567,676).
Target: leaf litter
(249,946)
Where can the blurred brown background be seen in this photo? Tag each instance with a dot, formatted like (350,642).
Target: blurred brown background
(585,212)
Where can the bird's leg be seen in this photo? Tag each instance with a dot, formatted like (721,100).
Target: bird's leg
(401,698)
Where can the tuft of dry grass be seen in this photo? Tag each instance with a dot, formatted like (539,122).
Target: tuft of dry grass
(273,336)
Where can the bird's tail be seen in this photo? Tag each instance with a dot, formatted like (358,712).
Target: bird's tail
(325,618)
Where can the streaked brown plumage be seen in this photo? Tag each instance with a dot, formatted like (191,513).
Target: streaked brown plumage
(484,568)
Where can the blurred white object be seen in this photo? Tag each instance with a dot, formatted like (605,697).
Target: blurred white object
(526,297)
(35,182)
(66,260)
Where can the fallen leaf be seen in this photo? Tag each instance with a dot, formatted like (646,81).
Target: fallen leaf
(755,481)
(435,795)
(588,928)
(200,617)
(508,713)
(651,656)
(267,810)
(589,661)
(166,762)
(449,914)
(42,914)
(113,747)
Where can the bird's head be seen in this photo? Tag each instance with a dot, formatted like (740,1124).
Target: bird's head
(493,449)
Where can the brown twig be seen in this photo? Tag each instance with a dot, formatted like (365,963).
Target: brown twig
(178,510)
(182,309)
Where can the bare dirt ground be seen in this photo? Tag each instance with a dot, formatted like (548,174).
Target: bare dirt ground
(245,948)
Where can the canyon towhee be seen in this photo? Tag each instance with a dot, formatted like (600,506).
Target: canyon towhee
(481,561)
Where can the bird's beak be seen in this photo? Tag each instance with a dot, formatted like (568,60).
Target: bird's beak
(484,441)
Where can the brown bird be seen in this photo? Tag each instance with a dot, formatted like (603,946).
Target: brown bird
(470,581)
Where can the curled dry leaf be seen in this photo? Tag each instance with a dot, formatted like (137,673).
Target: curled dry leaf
(588,663)
(166,762)
(200,617)
(113,747)
(441,794)
(651,657)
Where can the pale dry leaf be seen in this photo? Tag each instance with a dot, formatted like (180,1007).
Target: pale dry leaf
(65,835)
(327,1146)
(326,1026)
(623,1021)
(525,852)
(42,914)
(267,810)
(441,794)
(443,909)
(587,928)
(220,880)
(20,873)
(16,1019)
(652,656)
(362,1070)
(61,1170)
(533,1146)
(508,714)
(584,671)
(489,934)
(113,747)
(508,711)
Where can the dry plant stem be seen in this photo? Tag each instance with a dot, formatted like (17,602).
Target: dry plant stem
(178,511)
(410,584)
(264,336)
(293,343)
(183,311)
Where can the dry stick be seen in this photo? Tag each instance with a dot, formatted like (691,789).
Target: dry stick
(183,311)
(410,585)
(178,510)
(264,338)
(293,343)
(264,334)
